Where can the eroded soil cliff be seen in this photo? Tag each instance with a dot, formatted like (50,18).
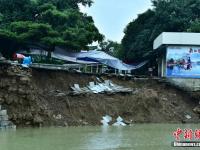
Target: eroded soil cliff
(41,97)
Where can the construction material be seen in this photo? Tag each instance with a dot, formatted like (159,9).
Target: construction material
(106,120)
(106,87)
(119,122)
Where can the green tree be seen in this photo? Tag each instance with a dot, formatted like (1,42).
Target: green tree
(8,43)
(165,16)
(111,47)
(49,23)
(138,36)
(65,4)
(195,26)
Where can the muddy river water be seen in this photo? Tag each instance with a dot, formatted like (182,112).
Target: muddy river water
(135,137)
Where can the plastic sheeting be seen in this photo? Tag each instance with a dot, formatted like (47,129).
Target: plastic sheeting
(96,56)
(58,54)
(71,59)
(108,60)
(20,56)
(27,60)
(90,57)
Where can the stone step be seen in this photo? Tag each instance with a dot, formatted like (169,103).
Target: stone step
(4,123)
(4,118)
(8,127)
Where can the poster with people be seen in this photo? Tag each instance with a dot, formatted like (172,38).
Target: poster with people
(183,62)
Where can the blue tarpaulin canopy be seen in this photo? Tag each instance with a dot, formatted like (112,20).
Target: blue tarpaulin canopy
(108,60)
(91,57)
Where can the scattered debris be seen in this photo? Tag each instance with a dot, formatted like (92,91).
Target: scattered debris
(188,116)
(57,117)
(106,120)
(104,123)
(119,122)
(197,109)
(100,87)
(165,99)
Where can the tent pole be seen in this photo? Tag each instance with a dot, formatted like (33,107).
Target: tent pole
(86,68)
(91,69)
(100,67)
(97,70)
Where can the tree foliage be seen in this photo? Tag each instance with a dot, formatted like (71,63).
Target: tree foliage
(166,16)
(111,47)
(47,22)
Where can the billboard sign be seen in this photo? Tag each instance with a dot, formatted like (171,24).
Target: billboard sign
(183,62)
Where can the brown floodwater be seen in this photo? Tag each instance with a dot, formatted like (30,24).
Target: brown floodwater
(135,137)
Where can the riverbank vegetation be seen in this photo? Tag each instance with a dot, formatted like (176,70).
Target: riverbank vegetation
(45,24)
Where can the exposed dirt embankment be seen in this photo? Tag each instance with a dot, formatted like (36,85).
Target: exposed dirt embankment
(40,97)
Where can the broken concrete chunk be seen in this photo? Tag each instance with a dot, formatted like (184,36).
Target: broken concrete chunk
(197,109)
(188,116)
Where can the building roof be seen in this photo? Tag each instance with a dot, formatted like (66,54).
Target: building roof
(177,38)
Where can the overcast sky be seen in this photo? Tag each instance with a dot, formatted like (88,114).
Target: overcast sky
(112,16)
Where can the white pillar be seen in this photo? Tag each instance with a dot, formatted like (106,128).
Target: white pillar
(115,71)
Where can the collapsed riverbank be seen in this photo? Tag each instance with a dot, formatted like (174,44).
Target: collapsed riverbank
(35,97)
